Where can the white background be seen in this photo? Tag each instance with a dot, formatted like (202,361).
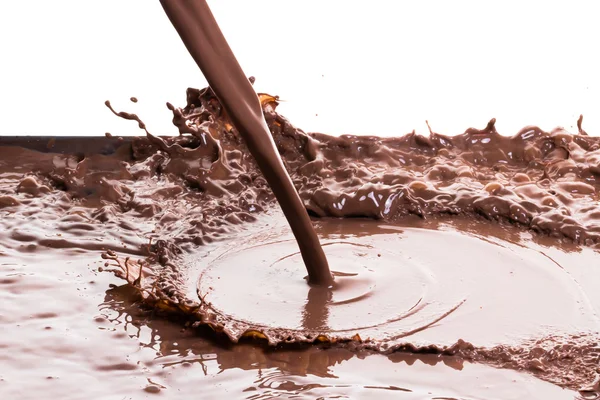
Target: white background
(364,67)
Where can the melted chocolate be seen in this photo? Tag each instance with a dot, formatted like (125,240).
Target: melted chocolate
(164,207)
(198,29)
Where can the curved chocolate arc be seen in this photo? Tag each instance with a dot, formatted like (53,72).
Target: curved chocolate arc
(203,38)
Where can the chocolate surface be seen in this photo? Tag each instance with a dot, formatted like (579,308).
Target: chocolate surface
(500,232)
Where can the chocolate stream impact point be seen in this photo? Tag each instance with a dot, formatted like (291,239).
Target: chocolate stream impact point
(203,38)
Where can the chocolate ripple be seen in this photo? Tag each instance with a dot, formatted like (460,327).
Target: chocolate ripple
(163,207)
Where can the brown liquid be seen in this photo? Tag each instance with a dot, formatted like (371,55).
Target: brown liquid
(202,36)
(64,335)
(498,232)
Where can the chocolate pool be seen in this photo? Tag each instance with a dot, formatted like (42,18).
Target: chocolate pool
(467,265)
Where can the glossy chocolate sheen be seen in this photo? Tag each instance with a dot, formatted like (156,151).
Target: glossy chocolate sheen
(162,208)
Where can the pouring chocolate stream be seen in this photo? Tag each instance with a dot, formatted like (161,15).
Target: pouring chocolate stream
(203,38)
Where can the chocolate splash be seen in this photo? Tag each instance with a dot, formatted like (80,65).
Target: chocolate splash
(155,203)
(200,33)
